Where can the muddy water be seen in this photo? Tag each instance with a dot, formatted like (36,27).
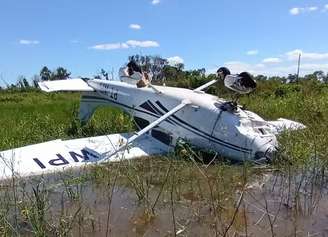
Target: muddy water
(274,207)
(271,204)
(193,217)
(130,217)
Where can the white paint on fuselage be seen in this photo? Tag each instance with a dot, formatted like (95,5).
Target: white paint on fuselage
(202,123)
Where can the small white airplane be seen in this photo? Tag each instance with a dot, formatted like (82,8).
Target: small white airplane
(164,116)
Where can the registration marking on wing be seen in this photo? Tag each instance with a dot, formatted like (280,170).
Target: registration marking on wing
(58,155)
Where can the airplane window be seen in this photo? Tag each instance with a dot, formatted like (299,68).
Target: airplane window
(141,123)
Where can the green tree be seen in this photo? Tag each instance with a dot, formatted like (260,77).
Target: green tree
(151,64)
(104,74)
(22,83)
(291,78)
(320,75)
(35,80)
(325,79)
(25,83)
(45,74)
(260,78)
(170,73)
(60,74)
(179,66)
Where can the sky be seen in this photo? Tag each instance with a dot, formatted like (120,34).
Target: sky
(262,37)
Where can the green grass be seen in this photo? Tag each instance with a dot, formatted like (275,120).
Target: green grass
(174,190)
(306,103)
(33,117)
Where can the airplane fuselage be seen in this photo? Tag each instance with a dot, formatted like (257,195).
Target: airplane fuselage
(205,123)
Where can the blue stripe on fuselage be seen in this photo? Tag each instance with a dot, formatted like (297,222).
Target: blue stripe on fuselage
(183,122)
(178,122)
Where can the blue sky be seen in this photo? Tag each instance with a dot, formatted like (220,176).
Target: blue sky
(263,37)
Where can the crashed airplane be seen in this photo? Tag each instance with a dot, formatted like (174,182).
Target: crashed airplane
(164,116)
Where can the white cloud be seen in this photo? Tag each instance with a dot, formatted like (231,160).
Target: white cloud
(110,46)
(175,60)
(294,54)
(271,60)
(126,45)
(135,26)
(142,44)
(260,65)
(310,67)
(325,8)
(298,10)
(28,42)
(283,65)
(252,52)
(311,9)
(155,2)
(306,68)
(238,67)
(295,11)
(273,70)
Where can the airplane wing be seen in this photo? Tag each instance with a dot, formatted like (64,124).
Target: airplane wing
(58,155)
(65,85)
(281,125)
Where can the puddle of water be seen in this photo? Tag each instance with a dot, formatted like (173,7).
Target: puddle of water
(268,205)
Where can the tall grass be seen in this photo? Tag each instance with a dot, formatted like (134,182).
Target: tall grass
(34,117)
(179,194)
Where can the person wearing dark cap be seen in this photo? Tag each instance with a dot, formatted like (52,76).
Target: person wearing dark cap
(132,72)
(133,67)
(222,72)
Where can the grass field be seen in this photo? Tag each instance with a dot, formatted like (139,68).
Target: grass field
(33,117)
(174,195)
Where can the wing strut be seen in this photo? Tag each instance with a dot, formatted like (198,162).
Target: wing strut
(107,155)
(206,85)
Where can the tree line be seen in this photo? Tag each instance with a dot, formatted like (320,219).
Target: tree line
(45,74)
(164,72)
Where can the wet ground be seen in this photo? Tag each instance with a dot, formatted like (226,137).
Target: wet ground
(166,201)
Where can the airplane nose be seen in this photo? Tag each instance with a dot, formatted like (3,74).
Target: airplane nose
(266,156)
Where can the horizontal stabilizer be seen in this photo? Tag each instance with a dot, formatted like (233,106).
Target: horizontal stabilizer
(65,85)
(282,125)
(56,156)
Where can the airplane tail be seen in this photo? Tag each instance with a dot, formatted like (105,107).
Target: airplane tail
(65,85)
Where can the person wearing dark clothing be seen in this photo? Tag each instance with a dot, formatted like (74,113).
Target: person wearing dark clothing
(247,81)
(242,83)
(133,67)
(222,72)
(134,72)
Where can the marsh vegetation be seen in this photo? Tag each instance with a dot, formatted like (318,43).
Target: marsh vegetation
(180,194)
